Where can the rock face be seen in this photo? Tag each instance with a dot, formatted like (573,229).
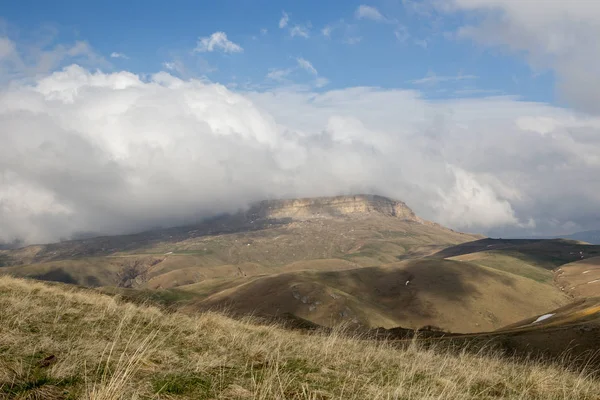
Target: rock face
(330,207)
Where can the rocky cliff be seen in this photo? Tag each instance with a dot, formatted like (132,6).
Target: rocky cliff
(329,207)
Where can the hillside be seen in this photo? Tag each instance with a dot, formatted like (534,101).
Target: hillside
(270,237)
(545,253)
(304,223)
(592,237)
(581,278)
(61,342)
(364,260)
(455,296)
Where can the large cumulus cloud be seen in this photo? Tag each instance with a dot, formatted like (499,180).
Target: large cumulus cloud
(552,34)
(84,151)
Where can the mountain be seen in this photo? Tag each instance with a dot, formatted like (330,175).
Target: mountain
(362,260)
(360,230)
(592,237)
(325,216)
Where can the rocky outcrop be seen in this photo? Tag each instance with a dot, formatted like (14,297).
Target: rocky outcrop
(329,207)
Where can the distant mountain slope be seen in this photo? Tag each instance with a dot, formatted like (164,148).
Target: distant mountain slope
(545,253)
(592,237)
(580,279)
(353,231)
(452,295)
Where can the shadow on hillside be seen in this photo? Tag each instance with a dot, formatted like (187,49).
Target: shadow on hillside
(545,253)
(450,279)
(486,244)
(396,292)
(56,275)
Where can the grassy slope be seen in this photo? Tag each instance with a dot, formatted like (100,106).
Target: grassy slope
(548,254)
(316,244)
(511,262)
(453,295)
(60,342)
(580,278)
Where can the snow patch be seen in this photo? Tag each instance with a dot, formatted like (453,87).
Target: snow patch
(585,272)
(594,281)
(542,317)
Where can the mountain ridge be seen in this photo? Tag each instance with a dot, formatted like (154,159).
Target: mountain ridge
(258,216)
(334,206)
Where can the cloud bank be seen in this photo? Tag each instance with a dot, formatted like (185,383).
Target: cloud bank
(110,153)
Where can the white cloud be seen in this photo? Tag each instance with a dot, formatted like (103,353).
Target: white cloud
(306,65)
(300,30)
(541,125)
(115,54)
(264,31)
(368,12)
(176,66)
(284,76)
(557,35)
(433,79)
(90,151)
(283,22)
(326,31)
(279,74)
(40,58)
(217,41)
(473,203)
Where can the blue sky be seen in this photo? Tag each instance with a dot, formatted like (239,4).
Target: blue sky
(395,51)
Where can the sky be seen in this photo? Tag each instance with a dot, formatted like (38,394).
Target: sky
(482,115)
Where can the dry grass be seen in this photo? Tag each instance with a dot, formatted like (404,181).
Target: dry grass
(67,343)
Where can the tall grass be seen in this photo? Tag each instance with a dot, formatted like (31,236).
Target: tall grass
(101,348)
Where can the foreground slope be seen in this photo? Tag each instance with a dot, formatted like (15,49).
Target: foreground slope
(60,342)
